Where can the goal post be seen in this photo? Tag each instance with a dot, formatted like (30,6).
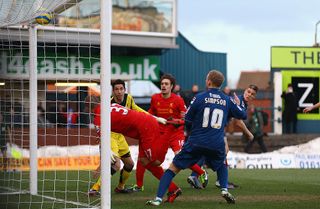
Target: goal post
(33,95)
(105,75)
(51,147)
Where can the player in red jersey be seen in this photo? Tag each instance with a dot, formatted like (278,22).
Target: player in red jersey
(145,128)
(171,107)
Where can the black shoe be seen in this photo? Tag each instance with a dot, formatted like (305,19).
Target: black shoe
(122,191)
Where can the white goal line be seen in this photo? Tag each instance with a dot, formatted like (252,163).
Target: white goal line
(15,192)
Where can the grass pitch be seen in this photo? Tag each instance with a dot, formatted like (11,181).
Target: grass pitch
(259,189)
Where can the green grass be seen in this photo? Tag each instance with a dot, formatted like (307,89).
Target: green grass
(259,189)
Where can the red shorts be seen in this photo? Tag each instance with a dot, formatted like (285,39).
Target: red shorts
(175,140)
(151,144)
(155,152)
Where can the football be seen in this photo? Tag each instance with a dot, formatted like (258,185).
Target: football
(44,19)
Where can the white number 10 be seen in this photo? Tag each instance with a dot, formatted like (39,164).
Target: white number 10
(216,118)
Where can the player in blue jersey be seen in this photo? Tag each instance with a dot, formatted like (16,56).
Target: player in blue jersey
(248,96)
(205,120)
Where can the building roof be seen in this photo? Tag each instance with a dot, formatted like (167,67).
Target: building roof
(259,78)
(190,65)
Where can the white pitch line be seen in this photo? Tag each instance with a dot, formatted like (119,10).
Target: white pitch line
(65,201)
(14,191)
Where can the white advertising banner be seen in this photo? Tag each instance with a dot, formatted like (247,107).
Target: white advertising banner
(307,160)
(260,161)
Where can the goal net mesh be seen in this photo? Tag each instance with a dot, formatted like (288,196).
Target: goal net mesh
(68,59)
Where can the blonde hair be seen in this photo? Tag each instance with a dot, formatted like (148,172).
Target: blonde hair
(216,78)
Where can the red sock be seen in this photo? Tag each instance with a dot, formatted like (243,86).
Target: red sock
(172,187)
(196,168)
(158,172)
(140,174)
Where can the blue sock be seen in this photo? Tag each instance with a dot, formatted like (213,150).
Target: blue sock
(165,182)
(200,163)
(222,173)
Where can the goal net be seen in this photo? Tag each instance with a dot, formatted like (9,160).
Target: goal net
(68,70)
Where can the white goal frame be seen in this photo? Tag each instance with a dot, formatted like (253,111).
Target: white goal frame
(105,79)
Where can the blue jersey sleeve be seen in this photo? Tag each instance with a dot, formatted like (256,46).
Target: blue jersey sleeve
(237,111)
(243,103)
(191,110)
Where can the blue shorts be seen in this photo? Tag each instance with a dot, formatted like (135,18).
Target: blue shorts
(191,154)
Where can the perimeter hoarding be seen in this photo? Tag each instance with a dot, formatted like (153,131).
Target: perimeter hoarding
(295,58)
(15,65)
(306,88)
(235,160)
(299,66)
(56,163)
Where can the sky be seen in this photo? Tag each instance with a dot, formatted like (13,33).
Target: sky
(246,29)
